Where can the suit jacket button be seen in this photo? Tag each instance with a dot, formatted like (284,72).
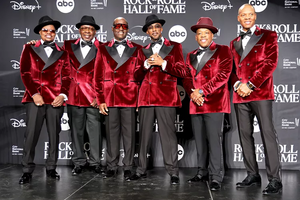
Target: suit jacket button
(42,84)
(37,60)
(248,64)
(160,82)
(150,83)
(240,78)
(249,77)
(77,83)
(240,65)
(43,72)
(115,72)
(127,72)
(209,65)
(77,72)
(55,72)
(195,79)
(90,72)
(115,84)
(205,76)
(255,51)
(127,83)
(150,70)
(107,61)
(160,70)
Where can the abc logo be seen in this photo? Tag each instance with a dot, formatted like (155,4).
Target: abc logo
(259,5)
(180,152)
(181,91)
(64,122)
(177,33)
(65,6)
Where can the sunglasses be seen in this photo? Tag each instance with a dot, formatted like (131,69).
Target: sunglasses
(44,30)
(124,26)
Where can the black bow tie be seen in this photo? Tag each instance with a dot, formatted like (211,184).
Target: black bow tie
(123,42)
(159,41)
(243,34)
(84,43)
(200,51)
(49,44)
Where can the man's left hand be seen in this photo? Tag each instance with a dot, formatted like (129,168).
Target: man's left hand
(243,90)
(58,101)
(155,59)
(94,103)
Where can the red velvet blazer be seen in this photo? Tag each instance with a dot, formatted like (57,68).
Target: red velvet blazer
(114,81)
(255,64)
(211,75)
(159,87)
(40,74)
(82,92)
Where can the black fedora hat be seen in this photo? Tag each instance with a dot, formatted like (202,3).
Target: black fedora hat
(87,20)
(204,22)
(151,19)
(44,21)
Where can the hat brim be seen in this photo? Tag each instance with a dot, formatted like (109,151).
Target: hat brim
(211,28)
(56,24)
(78,25)
(145,27)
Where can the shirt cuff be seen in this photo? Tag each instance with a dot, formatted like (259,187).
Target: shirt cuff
(146,65)
(34,95)
(164,65)
(236,85)
(65,96)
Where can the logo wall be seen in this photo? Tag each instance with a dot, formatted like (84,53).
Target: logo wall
(286,93)
(65,6)
(290,64)
(154,6)
(19,34)
(98,4)
(15,64)
(135,34)
(177,33)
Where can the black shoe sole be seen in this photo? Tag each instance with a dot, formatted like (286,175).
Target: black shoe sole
(246,186)
(278,192)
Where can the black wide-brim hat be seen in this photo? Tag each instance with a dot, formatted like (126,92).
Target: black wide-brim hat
(44,21)
(87,20)
(151,19)
(204,22)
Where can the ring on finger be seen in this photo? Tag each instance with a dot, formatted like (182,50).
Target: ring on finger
(152,59)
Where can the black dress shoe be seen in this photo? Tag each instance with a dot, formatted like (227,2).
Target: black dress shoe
(77,170)
(249,181)
(174,180)
(274,187)
(98,169)
(198,178)
(110,173)
(215,185)
(52,174)
(26,178)
(127,175)
(137,176)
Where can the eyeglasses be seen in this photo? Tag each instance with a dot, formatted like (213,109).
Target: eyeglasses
(86,28)
(244,15)
(155,26)
(44,30)
(124,26)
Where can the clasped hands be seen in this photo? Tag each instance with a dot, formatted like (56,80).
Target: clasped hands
(155,59)
(243,90)
(39,101)
(197,98)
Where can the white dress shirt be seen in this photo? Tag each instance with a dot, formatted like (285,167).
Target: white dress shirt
(85,50)
(120,48)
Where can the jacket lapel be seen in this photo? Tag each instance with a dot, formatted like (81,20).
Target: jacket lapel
(165,50)
(147,52)
(55,55)
(90,56)
(193,60)
(77,52)
(238,46)
(208,54)
(126,55)
(39,50)
(253,40)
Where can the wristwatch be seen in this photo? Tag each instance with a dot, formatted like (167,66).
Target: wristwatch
(250,85)
(201,92)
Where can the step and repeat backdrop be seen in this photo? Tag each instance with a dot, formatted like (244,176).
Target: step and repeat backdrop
(19,18)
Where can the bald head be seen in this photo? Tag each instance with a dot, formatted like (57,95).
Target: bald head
(120,18)
(245,5)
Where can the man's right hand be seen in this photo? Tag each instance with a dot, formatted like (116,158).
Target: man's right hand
(32,42)
(103,109)
(197,98)
(38,100)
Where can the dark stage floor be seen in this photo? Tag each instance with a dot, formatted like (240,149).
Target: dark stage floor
(91,186)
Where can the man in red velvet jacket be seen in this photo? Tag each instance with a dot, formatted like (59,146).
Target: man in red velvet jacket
(82,107)
(210,66)
(159,65)
(255,54)
(45,74)
(117,93)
